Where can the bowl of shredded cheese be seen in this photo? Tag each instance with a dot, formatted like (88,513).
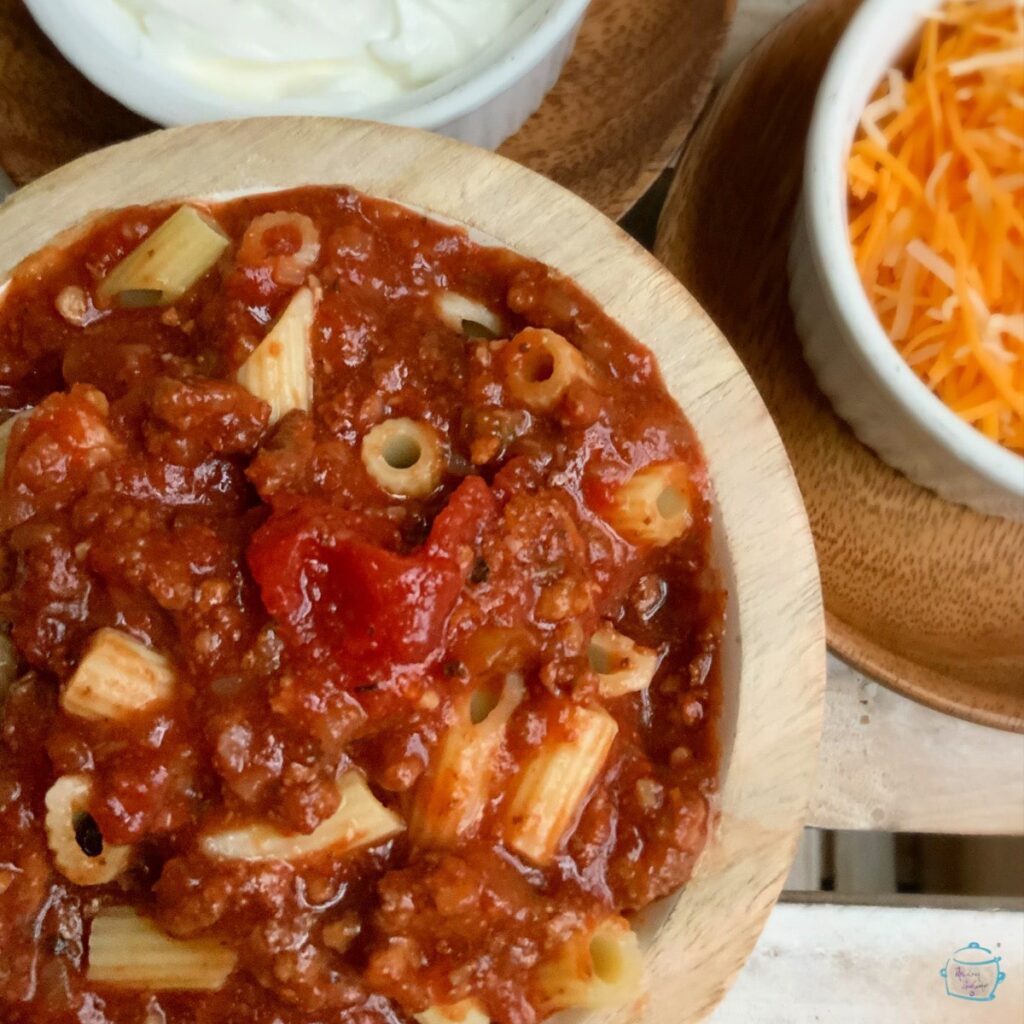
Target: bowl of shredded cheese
(907,265)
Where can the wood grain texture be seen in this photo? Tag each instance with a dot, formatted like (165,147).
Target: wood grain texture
(774,679)
(629,95)
(925,595)
(49,113)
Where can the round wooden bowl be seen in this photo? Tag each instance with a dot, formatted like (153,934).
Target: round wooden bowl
(773,654)
(920,593)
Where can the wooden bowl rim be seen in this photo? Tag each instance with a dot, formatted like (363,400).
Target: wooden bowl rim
(774,646)
(940,691)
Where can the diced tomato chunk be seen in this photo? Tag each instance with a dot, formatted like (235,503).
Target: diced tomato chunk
(461,523)
(337,595)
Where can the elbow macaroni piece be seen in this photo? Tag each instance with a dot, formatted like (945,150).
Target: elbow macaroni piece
(404,457)
(554,783)
(127,950)
(279,369)
(166,263)
(66,800)
(654,506)
(621,666)
(465,1012)
(598,969)
(360,820)
(540,365)
(286,268)
(452,798)
(466,316)
(116,677)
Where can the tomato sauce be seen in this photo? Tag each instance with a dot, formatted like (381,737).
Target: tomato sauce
(318,623)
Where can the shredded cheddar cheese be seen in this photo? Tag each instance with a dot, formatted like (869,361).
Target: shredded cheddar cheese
(936,212)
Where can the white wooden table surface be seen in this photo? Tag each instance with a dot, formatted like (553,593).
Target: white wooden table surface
(848,964)
(890,764)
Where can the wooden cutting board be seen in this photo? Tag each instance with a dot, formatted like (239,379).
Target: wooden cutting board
(925,595)
(629,95)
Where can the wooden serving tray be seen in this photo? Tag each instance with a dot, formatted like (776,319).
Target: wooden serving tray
(629,95)
(925,595)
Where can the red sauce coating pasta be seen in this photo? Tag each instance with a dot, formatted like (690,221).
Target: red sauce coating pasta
(317,624)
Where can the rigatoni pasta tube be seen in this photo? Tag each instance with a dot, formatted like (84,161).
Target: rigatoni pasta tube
(116,677)
(621,666)
(127,950)
(167,263)
(67,804)
(465,1012)
(279,370)
(452,797)
(360,820)
(540,365)
(555,781)
(467,316)
(597,969)
(654,506)
(404,457)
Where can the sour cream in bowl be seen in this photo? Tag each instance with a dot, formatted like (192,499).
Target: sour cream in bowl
(362,52)
(473,69)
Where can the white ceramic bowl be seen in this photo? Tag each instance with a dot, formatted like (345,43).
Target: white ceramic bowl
(483,102)
(889,408)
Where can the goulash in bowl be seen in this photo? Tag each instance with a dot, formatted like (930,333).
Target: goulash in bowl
(359,657)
